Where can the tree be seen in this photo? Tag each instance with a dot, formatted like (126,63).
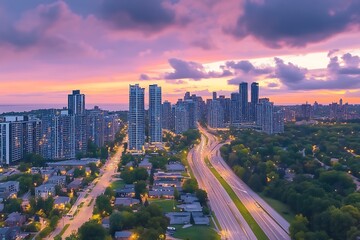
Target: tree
(140,174)
(91,231)
(103,205)
(202,196)
(190,186)
(176,194)
(140,188)
(298,225)
(109,192)
(12,205)
(23,167)
(93,168)
(255,183)
(54,221)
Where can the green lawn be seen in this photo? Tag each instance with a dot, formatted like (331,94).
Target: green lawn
(167,205)
(63,230)
(184,160)
(259,233)
(196,232)
(117,184)
(280,207)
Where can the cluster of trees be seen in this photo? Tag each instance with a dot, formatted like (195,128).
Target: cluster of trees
(191,186)
(148,222)
(185,140)
(27,182)
(324,199)
(131,175)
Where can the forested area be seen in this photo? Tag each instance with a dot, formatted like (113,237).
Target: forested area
(309,168)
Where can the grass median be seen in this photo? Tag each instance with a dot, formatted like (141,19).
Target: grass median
(62,231)
(259,233)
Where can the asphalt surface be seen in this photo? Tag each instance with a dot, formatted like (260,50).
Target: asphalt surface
(232,223)
(271,222)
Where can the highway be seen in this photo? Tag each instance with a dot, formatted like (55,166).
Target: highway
(272,223)
(93,190)
(234,226)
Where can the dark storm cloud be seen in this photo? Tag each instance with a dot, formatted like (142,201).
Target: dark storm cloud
(149,15)
(279,23)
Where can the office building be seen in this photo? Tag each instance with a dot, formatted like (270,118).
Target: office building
(244,107)
(155,119)
(76,103)
(136,118)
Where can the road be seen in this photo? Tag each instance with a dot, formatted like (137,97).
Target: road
(234,226)
(272,223)
(85,212)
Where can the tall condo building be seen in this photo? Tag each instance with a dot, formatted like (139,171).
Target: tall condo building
(167,116)
(244,106)
(19,135)
(155,122)
(265,115)
(136,118)
(215,117)
(254,100)
(76,103)
(235,109)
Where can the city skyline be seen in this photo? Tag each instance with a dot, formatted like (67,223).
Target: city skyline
(215,47)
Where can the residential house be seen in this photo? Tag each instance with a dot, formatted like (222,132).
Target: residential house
(57,180)
(45,190)
(123,235)
(8,189)
(60,202)
(15,219)
(126,201)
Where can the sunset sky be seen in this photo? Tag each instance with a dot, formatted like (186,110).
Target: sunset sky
(297,50)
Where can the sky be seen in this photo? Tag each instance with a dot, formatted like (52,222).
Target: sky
(298,51)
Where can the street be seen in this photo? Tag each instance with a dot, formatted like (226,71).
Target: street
(85,212)
(272,223)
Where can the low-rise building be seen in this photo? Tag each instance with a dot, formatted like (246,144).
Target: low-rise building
(75,184)
(200,218)
(188,198)
(57,180)
(105,222)
(191,207)
(123,235)
(165,183)
(179,217)
(168,176)
(8,189)
(60,202)
(9,233)
(45,190)
(126,201)
(175,167)
(15,219)
(146,164)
